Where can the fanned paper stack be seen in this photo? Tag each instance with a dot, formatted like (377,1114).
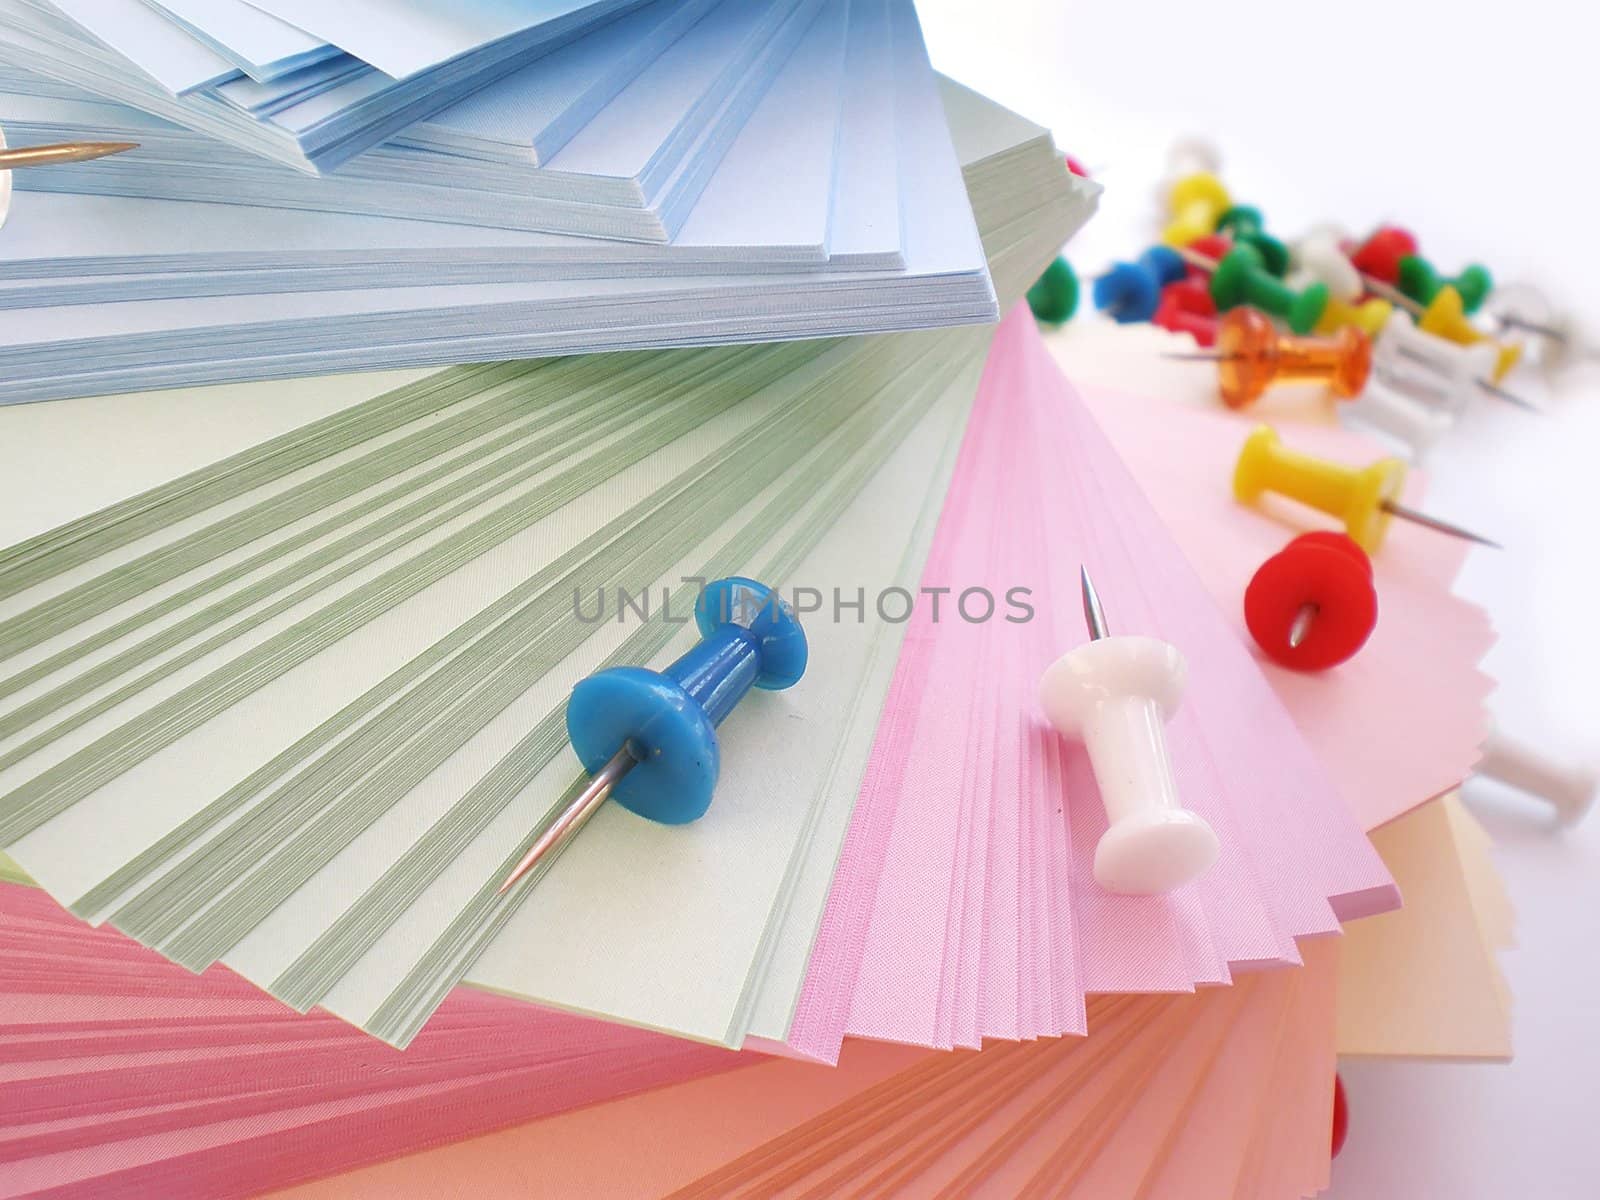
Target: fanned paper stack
(284,665)
(783,169)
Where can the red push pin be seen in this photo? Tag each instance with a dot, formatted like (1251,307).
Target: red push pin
(1187,307)
(1379,256)
(1341,1115)
(1214,246)
(1076,167)
(1312,605)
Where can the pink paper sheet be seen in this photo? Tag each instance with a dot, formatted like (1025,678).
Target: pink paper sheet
(964,906)
(1400,723)
(123,1074)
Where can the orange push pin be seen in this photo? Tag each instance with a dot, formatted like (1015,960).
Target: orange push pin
(1363,498)
(1195,202)
(1446,317)
(1251,356)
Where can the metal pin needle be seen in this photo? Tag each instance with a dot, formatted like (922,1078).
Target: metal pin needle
(65,152)
(1395,508)
(1301,625)
(1093,615)
(576,815)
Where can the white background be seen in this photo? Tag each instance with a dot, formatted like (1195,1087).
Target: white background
(1474,126)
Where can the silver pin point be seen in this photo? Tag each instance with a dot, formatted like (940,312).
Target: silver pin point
(1395,508)
(1093,615)
(1302,625)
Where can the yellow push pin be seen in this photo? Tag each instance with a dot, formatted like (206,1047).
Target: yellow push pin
(1195,202)
(1364,498)
(1446,317)
(1370,316)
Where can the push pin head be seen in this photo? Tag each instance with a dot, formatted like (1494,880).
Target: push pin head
(1312,605)
(649,737)
(1195,203)
(1115,694)
(1379,256)
(1187,307)
(1319,257)
(1054,295)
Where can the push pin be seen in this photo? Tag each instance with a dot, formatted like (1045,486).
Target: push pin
(1247,227)
(1202,255)
(1240,278)
(1195,203)
(12,159)
(649,738)
(1252,356)
(1440,373)
(1568,789)
(1363,498)
(1379,256)
(1521,306)
(1187,307)
(1390,411)
(1319,258)
(1131,292)
(1341,1116)
(1421,282)
(1054,295)
(1116,694)
(1370,316)
(1312,605)
(1446,318)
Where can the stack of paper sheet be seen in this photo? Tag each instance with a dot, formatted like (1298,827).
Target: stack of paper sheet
(849,218)
(303,83)
(125,1073)
(405,569)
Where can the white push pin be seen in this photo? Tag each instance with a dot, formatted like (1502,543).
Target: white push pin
(1441,374)
(1318,257)
(1524,308)
(1385,408)
(1567,788)
(1192,155)
(1116,694)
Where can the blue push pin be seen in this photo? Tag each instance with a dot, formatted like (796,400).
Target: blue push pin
(1131,292)
(649,738)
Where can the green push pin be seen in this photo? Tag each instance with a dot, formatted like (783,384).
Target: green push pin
(1054,296)
(1246,226)
(1242,278)
(1421,282)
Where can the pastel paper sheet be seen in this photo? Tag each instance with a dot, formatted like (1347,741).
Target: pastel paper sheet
(1222,1095)
(1425,981)
(122,1073)
(1403,720)
(964,906)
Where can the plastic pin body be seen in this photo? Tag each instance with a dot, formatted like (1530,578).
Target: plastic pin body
(1312,605)
(1401,416)
(1194,203)
(1131,292)
(1441,375)
(1446,317)
(1568,789)
(649,737)
(1240,278)
(1116,694)
(1421,282)
(1054,296)
(1252,356)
